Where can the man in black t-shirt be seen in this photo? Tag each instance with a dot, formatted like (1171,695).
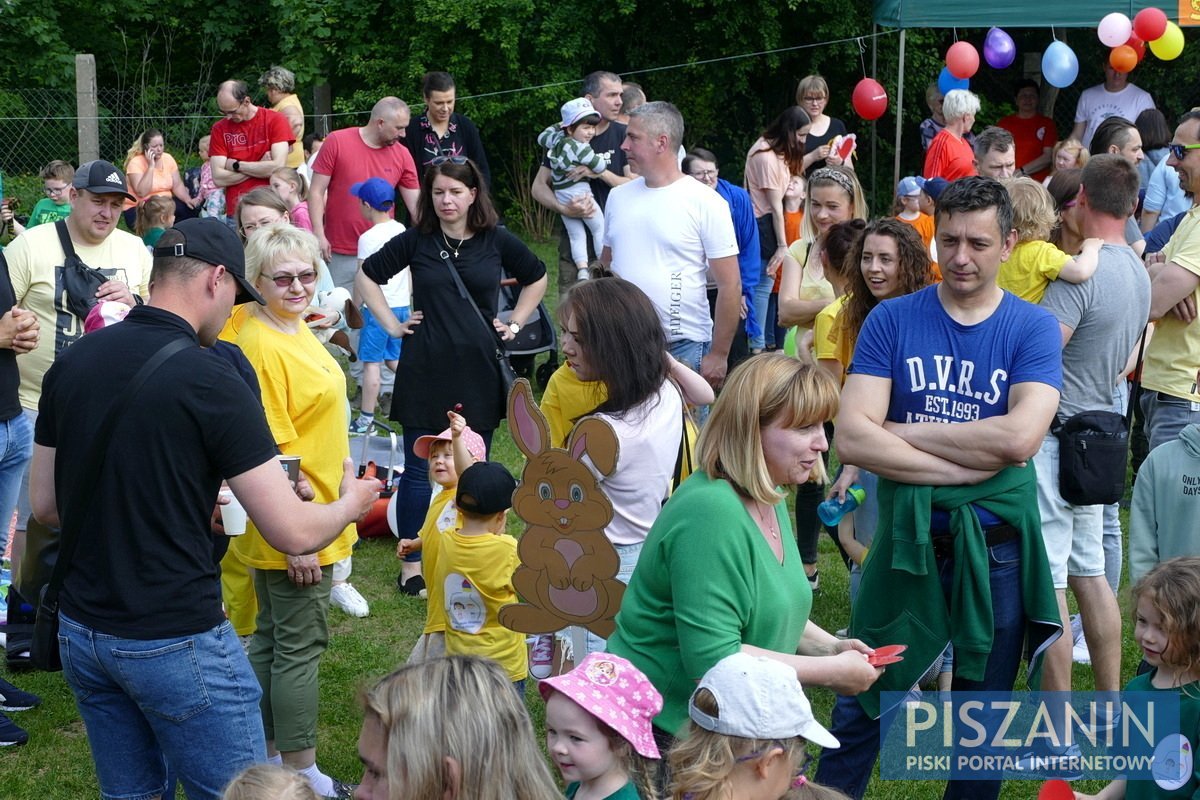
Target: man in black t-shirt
(603,89)
(158,674)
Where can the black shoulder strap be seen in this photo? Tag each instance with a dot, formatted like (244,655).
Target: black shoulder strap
(462,291)
(73,504)
(1137,384)
(64,238)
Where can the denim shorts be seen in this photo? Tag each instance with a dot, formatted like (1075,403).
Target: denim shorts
(190,701)
(374,345)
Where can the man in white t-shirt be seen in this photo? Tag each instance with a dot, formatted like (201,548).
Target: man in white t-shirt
(664,232)
(1116,97)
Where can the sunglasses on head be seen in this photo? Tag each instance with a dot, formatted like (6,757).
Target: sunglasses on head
(460,160)
(1179,151)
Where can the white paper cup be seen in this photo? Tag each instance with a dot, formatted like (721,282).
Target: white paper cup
(291,465)
(233,516)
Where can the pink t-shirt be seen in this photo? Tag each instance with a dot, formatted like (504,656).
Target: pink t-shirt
(299,216)
(347,160)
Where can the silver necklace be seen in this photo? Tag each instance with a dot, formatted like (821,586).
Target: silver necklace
(453,250)
(772,526)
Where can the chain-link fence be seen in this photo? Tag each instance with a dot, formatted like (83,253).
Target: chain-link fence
(40,125)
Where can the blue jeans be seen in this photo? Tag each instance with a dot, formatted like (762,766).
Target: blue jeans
(16,447)
(849,767)
(690,354)
(1166,416)
(584,641)
(191,701)
(762,299)
(414,491)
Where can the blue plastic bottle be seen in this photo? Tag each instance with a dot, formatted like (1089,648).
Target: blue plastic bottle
(831,511)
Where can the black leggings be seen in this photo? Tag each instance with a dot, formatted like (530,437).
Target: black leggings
(808,524)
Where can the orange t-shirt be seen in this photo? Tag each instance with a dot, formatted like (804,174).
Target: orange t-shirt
(791,231)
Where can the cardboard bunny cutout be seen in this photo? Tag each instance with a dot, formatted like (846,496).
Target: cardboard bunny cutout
(568,566)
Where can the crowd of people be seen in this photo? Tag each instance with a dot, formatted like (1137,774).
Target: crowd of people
(718,339)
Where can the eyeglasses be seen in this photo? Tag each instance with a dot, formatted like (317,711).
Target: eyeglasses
(1179,151)
(460,160)
(704,175)
(815,99)
(53,190)
(283,280)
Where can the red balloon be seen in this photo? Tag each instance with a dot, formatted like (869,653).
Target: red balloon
(869,99)
(1138,46)
(1056,789)
(1123,58)
(1149,24)
(962,59)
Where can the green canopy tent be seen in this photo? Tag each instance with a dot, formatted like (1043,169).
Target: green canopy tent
(903,14)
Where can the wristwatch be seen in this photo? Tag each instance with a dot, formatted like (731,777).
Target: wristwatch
(515,327)
(237,166)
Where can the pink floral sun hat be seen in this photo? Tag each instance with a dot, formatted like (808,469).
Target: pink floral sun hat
(615,692)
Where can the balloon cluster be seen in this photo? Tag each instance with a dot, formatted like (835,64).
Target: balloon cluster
(1128,38)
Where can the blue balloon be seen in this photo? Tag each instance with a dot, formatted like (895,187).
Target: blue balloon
(1060,66)
(948,83)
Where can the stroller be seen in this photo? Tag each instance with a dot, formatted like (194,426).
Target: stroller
(537,336)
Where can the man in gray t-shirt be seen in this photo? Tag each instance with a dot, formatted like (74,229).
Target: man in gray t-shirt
(1101,320)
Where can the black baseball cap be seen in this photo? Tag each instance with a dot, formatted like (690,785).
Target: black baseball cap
(101,177)
(210,240)
(485,488)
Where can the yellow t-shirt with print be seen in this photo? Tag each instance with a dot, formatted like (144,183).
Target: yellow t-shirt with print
(441,518)
(475,575)
(1173,354)
(304,397)
(1030,269)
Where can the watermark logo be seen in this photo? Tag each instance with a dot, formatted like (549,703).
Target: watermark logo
(1033,735)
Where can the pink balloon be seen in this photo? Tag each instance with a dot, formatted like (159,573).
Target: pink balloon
(1149,24)
(1115,29)
(962,59)
(870,99)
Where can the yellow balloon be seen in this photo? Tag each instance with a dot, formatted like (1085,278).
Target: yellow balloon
(1168,46)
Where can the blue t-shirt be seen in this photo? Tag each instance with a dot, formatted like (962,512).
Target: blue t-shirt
(944,371)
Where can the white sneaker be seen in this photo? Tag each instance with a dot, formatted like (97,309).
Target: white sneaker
(541,656)
(1079,648)
(347,598)
(583,274)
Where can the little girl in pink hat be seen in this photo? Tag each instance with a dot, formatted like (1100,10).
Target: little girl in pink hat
(598,729)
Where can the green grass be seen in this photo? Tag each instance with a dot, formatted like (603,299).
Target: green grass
(57,764)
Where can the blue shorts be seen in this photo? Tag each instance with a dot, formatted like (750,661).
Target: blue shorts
(374,345)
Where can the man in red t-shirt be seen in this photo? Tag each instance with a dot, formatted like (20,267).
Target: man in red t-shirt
(1034,134)
(247,145)
(350,156)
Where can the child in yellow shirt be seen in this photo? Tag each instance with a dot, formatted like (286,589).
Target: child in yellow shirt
(1035,262)
(474,569)
(448,453)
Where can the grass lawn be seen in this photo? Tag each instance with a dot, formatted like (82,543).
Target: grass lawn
(56,763)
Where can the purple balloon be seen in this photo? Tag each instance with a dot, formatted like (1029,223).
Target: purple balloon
(999,50)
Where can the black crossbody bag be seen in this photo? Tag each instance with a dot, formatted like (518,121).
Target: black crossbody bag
(1093,450)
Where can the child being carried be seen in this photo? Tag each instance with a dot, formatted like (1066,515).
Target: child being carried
(567,150)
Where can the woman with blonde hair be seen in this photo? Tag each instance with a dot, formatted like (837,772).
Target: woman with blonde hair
(1067,154)
(720,572)
(812,94)
(152,171)
(304,397)
(450,728)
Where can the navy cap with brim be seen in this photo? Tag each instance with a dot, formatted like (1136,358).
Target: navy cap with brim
(209,240)
(101,177)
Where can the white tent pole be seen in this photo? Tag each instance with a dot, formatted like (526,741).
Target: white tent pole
(899,111)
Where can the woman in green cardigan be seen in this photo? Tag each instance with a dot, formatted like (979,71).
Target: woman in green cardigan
(720,572)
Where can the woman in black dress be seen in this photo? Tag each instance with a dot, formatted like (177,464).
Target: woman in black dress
(449,357)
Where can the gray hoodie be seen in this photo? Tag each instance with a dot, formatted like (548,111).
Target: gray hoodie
(1164,521)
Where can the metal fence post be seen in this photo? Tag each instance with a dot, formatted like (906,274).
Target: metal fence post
(85,104)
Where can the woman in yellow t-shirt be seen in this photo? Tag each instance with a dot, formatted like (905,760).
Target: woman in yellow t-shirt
(304,397)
